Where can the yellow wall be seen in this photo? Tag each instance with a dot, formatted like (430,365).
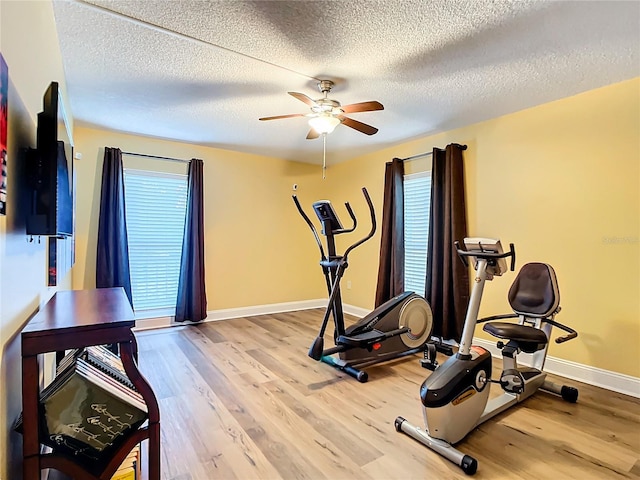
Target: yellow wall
(561,181)
(257,249)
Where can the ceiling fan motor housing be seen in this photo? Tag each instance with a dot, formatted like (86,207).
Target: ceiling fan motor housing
(325,86)
(326,105)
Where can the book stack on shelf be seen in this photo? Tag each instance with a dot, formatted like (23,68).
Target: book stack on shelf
(100,357)
(130,468)
(90,407)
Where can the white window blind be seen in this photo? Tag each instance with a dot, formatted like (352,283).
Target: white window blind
(155,208)
(417,207)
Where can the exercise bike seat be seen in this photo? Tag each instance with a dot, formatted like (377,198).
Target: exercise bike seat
(529,339)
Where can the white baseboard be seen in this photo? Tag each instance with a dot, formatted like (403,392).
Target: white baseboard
(351,310)
(598,377)
(264,309)
(228,313)
(152,323)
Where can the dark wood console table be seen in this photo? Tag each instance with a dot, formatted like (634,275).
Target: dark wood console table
(75,319)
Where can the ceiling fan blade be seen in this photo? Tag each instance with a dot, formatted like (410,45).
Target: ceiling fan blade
(356,125)
(362,107)
(303,98)
(312,134)
(277,117)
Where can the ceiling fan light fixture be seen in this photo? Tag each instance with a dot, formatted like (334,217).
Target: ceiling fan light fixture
(326,113)
(324,123)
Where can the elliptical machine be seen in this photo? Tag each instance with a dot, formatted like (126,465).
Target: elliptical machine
(455,397)
(401,326)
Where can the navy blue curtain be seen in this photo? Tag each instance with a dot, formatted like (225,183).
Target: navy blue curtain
(112,262)
(447,283)
(391,266)
(192,298)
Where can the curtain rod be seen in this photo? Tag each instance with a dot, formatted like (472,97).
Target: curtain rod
(426,154)
(171,159)
(419,155)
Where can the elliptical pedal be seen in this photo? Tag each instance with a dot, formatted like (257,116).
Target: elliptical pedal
(368,338)
(362,339)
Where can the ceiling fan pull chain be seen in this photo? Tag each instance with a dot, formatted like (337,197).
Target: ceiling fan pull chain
(324,155)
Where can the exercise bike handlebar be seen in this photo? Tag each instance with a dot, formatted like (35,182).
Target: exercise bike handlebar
(487,255)
(372,213)
(572,333)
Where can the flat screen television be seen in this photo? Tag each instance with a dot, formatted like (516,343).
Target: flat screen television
(51,171)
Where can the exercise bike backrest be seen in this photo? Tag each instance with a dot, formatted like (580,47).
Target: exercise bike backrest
(332,226)
(534,298)
(535,292)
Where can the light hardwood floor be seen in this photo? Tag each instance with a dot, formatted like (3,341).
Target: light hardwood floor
(240,399)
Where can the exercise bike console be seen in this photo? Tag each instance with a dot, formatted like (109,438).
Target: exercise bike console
(487,249)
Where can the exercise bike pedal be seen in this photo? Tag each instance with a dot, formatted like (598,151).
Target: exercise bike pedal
(429,361)
(511,381)
(428,364)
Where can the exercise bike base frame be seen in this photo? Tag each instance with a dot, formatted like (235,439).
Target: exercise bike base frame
(468,464)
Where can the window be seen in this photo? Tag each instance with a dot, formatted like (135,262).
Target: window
(155,209)
(417,206)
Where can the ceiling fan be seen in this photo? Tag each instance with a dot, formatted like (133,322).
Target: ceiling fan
(326,113)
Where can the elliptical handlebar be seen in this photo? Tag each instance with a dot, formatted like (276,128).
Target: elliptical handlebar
(310,224)
(372,213)
(353,218)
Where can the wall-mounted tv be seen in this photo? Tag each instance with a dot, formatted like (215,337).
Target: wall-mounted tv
(51,170)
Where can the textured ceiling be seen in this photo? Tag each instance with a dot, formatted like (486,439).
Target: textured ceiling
(204,71)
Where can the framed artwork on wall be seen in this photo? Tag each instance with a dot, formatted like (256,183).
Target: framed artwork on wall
(4,114)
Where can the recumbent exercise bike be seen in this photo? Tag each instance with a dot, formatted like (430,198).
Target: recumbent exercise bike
(455,397)
(399,327)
